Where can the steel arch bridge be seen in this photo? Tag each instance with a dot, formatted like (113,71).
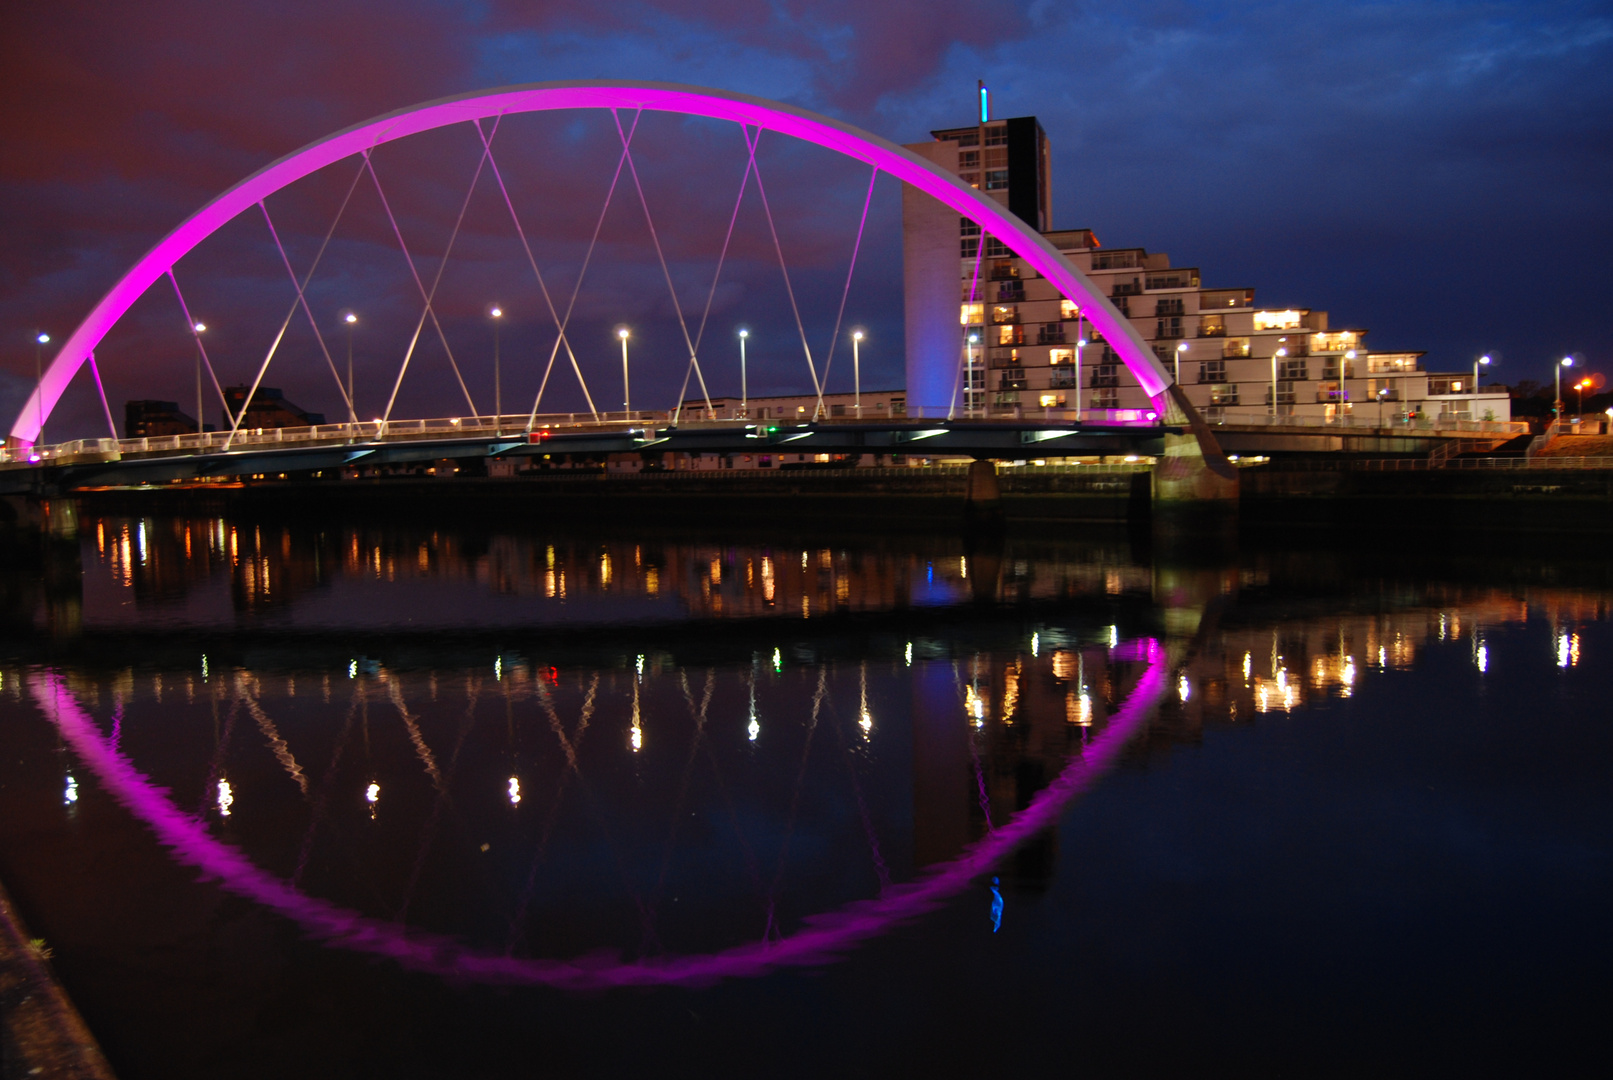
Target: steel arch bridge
(753,114)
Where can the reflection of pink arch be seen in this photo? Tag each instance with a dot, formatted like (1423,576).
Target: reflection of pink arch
(539,97)
(825,939)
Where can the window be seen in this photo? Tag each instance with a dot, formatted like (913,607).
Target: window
(1010,334)
(1276,320)
(1063,379)
(837,410)
(1060,356)
(969,247)
(996,179)
(1285,393)
(1234,348)
(976,379)
(1224,394)
(1292,369)
(995,136)
(969,138)
(1050,334)
(1005,313)
(898,406)
(996,249)
(1114,260)
(972,313)
(1005,358)
(969,159)
(1213,371)
(1106,375)
(1068,310)
(1169,328)
(1212,326)
(1011,379)
(1169,305)
(968,228)
(1341,341)
(1108,398)
(1051,401)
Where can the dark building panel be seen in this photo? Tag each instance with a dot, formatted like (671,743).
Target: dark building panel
(1026,182)
(152,419)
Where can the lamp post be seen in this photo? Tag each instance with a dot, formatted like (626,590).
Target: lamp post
(1580,388)
(496,313)
(1383,392)
(352,410)
(40,341)
(627,399)
(968,373)
(1181,347)
(1080,343)
(856,373)
(1484,361)
(198,329)
(1274,356)
(1557,407)
(744,391)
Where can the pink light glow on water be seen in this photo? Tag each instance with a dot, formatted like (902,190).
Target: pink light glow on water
(826,938)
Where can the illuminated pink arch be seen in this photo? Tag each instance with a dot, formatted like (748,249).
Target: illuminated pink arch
(811,127)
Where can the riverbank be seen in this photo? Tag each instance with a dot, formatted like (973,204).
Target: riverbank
(41,1033)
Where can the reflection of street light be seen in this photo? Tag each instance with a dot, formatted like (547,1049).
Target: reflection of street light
(40,341)
(1180,349)
(627,400)
(744,393)
(497,314)
(856,372)
(1557,413)
(1274,356)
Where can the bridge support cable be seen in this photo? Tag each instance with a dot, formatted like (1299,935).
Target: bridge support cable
(543,288)
(190,328)
(722,256)
(425,295)
(473,690)
(772,928)
(761,190)
(974,293)
(322,798)
(285,324)
(106,408)
(856,246)
(655,238)
(518,919)
(576,288)
(302,287)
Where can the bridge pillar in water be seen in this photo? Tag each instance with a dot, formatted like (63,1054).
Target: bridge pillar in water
(1192,470)
(983,497)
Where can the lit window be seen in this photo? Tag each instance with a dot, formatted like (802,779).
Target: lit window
(1060,356)
(1051,401)
(1068,310)
(972,313)
(1276,320)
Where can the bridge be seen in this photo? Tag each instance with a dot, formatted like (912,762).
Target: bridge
(1190,456)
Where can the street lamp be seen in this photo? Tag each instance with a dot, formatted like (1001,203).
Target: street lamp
(1181,348)
(1580,386)
(40,341)
(744,391)
(1080,343)
(497,314)
(198,330)
(968,373)
(856,372)
(1274,356)
(627,400)
(1383,392)
(352,410)
(1557,409)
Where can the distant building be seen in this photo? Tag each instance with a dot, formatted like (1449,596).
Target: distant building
(1234,359)
(268,409)
(149,419)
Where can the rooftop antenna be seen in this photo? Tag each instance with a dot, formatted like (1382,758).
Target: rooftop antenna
(985,100)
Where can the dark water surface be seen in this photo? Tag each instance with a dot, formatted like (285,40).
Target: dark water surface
(307,799)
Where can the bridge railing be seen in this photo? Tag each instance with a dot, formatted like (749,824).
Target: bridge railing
(1432,425)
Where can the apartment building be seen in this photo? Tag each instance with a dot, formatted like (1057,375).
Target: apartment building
(987,336)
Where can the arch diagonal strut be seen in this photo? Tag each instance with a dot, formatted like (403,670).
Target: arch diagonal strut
(950,190)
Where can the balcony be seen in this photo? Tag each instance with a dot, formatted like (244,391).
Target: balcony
(1012,380)
(1182,279)
(1172,306)
(999,272)
(1126,288)
(1050,334)
(1215,329)
(1011,293)
(1063,380)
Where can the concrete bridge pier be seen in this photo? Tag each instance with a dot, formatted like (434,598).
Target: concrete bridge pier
(1192,469)
(983,497)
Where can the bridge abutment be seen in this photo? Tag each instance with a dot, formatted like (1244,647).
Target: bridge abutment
(1191,470)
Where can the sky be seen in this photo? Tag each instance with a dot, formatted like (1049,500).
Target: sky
(1434,172)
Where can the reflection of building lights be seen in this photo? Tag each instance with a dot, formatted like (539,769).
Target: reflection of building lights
(1481,657)
(909,654)
(226,798)
(515,791)
(1567,650)
(70,796)
(1348,674)
(1036,644)
(975,705)
(639,664)
(778,660)
(636,737)
(1114,637)
(753,729)
(604,571)
(1383,656)
(498,668)
(769,584)
(1063,664)
(963,566)
(1078,709)
(352,669)
(1184,689)
(1248,665)
(866,723)
(204,667)
(372,795)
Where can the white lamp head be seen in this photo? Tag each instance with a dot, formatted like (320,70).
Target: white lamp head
(496,311)
(622,333)
(43,339)
(856,335)
(1282,352)
(350,318)
(744,333)
(200,328)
